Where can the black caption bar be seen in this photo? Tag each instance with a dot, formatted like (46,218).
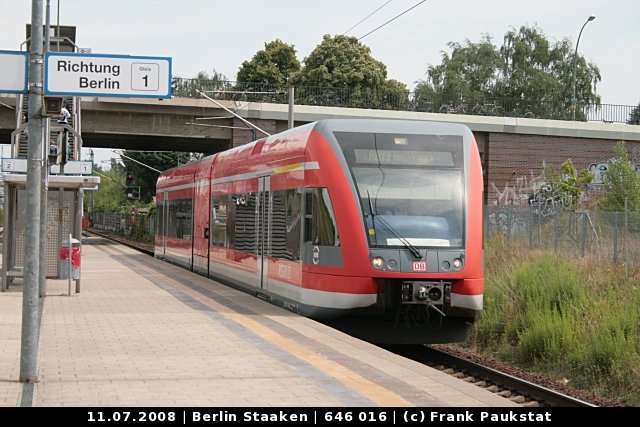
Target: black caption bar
(309,416)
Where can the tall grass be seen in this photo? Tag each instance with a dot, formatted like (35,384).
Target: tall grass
(571,319)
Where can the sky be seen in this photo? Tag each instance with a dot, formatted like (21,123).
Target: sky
(208,35)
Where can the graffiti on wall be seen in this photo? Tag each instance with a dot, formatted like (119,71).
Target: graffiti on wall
(532,189)
(546,201)
(599,170)
(517,192)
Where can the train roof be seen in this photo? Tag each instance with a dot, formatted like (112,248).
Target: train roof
(391,125)
(294,140)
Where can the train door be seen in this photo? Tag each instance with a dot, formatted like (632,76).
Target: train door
(163,220)
(201,213)
(262,231)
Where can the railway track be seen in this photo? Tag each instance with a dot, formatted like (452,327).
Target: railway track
(517,389)
(146,249)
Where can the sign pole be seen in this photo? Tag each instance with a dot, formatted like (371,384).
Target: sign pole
(69,279)
(30,300)
(45,178)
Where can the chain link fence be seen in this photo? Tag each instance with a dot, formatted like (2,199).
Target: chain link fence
(611,237)
(133,226)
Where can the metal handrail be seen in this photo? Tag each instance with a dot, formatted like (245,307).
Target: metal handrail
(548,108)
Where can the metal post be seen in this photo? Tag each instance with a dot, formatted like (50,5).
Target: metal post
(78,229)
(540,225)
(30,301)
(58,29)
(615,238)
(47,25)
(584,233)
(557,233)
(291,97)
(625,236)
(69,264)
(42,281)
(574,100)
(6,235)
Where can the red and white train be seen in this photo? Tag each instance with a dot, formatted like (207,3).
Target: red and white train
(371,226)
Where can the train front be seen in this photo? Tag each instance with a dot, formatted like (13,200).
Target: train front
(418,189)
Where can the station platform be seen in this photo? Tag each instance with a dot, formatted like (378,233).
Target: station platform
(143,332)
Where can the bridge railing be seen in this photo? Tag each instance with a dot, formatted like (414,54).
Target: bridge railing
(381,99)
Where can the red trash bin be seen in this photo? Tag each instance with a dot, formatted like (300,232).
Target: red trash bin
(63,259)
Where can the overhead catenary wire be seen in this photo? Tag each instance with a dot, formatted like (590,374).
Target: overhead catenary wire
(367,17)
(242,119)
(392,19)
(137,161)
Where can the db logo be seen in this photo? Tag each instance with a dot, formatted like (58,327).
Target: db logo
(419,266)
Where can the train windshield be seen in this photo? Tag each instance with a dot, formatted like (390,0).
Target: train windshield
(411,187)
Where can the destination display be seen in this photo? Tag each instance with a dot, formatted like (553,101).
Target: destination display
(395,157)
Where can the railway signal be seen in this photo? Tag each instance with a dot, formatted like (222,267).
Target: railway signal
(129,178)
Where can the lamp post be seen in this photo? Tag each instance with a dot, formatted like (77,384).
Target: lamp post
(574,100)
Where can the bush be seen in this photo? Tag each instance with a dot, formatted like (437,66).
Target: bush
(563,319)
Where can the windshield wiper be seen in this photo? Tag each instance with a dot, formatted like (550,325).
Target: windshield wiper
(373,220)
(370,205)
(414,251)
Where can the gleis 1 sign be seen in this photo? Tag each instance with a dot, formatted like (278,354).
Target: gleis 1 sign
(107,75)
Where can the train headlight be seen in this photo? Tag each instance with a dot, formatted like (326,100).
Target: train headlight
(377,262)
(457,263)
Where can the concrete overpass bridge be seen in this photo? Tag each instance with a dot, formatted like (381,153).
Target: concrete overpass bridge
(514,150)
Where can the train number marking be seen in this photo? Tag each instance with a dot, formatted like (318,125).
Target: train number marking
(316,255)
(284,271)
(419,266)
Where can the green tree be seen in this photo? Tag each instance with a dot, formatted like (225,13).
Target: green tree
(145,177)
(570,184)
(343,72)
(470,73)
(527,74)
(272,66)
(634,117)
(621,183)
(204,82)
(110,195)
(265,77)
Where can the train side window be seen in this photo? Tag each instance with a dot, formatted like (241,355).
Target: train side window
(231,223)
(278,224)
(160,226)
(219,216)
(294,223)
(286,224)
(308,214)
(320,226)
(180,219)
(243,223)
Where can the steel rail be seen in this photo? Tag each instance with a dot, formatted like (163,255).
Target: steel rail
(520,386)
